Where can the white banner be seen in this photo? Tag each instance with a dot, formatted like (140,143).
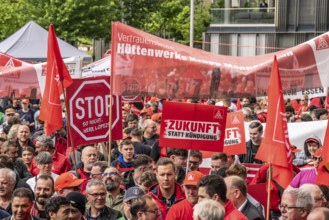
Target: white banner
(99,68)
(298,133)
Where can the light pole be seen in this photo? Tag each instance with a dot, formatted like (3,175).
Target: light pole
(191,23)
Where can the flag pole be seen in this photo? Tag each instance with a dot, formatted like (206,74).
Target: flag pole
(68,124)
(110,127)
(269,192)
(188,159)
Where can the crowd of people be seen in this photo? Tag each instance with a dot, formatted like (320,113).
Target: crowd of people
(41,178)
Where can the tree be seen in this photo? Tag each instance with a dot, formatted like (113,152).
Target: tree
(12,17)
(172,20)
(75,19)
(72,19)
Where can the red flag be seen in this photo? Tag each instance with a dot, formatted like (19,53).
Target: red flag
(238,104)
(57,77)
(275,147)
(323,168)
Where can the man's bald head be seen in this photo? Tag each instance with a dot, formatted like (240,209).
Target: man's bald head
(315,191)
(88,157)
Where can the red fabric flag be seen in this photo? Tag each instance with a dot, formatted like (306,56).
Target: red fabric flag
(238,104)
(57,74)
(275,147)
(323,168)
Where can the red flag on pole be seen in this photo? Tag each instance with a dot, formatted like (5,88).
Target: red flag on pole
(275,147)
(57,78)
(238,104)
(323,168)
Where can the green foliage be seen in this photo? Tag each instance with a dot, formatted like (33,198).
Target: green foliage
(91,19)
(172,20)
(12,17)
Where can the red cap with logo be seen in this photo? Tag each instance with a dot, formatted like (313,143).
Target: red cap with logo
(192,178)
(67,180)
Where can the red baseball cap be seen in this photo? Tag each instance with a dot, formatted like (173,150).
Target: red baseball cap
(192,178)
(67,180)
(156,116)
(144,110)
(25,101)
(312,139)
(154,99)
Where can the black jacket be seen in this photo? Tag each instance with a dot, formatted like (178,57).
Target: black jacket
(22,170)
(251,212)
(141,148)
(249,157)
(106,214)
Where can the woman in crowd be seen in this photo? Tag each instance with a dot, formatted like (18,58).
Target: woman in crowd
(305,158)
(27,156)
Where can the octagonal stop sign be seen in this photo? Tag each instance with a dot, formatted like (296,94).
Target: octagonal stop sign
(89,109)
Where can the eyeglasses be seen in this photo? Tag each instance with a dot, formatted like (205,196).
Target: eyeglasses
(10,114)
(194,162)
(96,195)
(285,207)
(155,212)
(110,174)
(153,127)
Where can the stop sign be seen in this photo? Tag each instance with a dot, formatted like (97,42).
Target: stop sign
(89,109)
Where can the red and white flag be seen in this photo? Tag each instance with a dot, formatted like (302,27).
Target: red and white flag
(275,147)
(323,168)
(57,78)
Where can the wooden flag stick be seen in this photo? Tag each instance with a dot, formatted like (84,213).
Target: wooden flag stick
(269,192)
(68,124)
(188,159)
(110,128)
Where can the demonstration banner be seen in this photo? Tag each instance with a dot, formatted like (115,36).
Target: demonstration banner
(89,107)
(193,126)
(143,64)
(21,79)
(99,68)
(235,141)
(297,135)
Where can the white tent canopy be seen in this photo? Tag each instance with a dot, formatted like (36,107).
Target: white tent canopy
(30,43)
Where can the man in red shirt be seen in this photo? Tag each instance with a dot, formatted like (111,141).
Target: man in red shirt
(184,209)
(60,163)
(88,158)
(213,187)
(167,191)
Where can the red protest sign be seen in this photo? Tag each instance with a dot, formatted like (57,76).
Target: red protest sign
(193,126)
(88,107)
(235,141)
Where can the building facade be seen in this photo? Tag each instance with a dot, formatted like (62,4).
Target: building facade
(244,28)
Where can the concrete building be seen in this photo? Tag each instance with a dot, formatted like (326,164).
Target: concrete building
(243,28)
